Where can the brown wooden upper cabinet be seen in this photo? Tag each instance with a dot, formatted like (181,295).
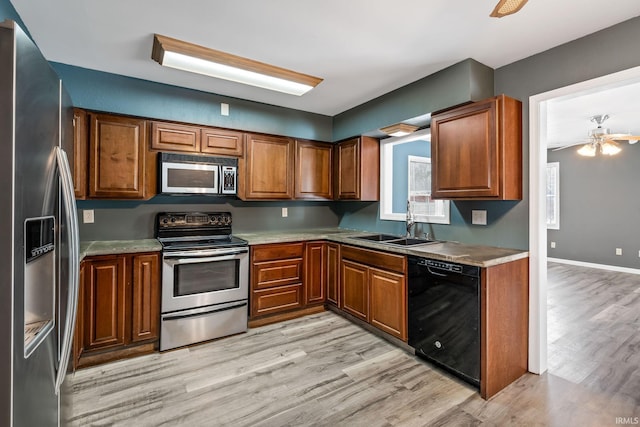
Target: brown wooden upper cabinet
(168,136)
(357,169)
(313,170)
(476,151)
(80,155)
(120,165)
(266,170)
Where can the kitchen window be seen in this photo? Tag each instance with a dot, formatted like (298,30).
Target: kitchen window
(553,196)
(405,174)
(419,191)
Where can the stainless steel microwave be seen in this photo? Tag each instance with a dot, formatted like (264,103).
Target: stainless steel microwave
(204,175)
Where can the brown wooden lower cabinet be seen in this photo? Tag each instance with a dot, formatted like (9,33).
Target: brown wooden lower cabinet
(355,289)
(118,307)
(388,302)
(333,273)
(375,295)
(287,280)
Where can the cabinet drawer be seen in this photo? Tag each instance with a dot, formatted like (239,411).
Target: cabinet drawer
(222,141)
(175,137)
(277,273)
(273,300)
(385,261)
(277,251)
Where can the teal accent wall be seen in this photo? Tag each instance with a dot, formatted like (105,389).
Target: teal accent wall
(96,90)
(7,11)
(465,81)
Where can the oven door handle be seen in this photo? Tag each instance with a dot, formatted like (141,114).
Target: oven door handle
(204,313)
(195,258)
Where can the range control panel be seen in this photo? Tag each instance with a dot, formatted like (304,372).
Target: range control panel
(178,220)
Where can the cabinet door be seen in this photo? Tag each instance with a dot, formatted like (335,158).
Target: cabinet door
(355,289)
(388,302)
(175,137)
(80,153)
(117,157)
(464,151)
(104,312)
(313,177)
(145,307)
(315,272)
(222,141)
(269,168)
(476,151)
(333,273)
(348,169)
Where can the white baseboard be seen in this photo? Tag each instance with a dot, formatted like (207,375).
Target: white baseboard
(592,265)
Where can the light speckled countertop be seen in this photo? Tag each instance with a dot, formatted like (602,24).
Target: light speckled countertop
(478,255)
(108,247)
(481,256)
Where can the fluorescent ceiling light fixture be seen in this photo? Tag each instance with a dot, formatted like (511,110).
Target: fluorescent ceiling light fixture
(190,57)
(399,129)
(507,7)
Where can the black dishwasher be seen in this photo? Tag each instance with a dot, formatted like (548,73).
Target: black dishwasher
(444,315)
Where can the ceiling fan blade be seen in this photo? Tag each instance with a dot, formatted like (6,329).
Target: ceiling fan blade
(573,144)
(621,137)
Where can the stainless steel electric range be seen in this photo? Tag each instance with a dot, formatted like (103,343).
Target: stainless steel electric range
(205,278)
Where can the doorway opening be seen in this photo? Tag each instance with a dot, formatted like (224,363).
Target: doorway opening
(537,206)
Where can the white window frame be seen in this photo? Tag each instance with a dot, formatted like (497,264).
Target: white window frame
(386,181)
(555,168)
(439,205)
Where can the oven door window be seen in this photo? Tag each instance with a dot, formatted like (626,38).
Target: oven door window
(199,278)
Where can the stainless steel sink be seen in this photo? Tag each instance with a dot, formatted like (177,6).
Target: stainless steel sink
(410,242)
(377,237)
(390,239)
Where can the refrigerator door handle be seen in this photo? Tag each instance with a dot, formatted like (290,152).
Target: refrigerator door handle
(69,200)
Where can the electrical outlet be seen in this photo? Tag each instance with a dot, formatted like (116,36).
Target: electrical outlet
(224,109)
(618,251)
(553,245)
(87,216)
(479,217)
(285,212)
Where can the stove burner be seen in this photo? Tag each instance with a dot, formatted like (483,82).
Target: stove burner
(195,230)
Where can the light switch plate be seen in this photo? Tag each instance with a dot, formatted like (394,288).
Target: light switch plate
(285,212)
(479,217)
(224,109)
(87,216)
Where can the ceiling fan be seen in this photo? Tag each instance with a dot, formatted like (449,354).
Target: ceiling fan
(601,139)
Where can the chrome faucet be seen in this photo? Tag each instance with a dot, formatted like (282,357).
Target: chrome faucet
(410,222)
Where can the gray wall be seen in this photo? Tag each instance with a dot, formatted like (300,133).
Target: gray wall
(613,49)
(599,207)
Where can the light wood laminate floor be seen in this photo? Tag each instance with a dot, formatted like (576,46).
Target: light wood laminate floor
(324,370)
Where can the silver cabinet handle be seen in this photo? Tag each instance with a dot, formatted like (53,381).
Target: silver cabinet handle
(69,201)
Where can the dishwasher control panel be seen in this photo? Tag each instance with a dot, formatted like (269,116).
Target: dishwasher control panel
(454,268)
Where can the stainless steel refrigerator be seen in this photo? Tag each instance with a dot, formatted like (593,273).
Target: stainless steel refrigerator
(38,234)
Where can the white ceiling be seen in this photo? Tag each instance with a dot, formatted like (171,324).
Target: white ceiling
(568,117)
(362,48)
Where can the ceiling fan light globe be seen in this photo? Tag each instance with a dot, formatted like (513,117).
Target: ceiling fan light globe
(587,150)
(610,148)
